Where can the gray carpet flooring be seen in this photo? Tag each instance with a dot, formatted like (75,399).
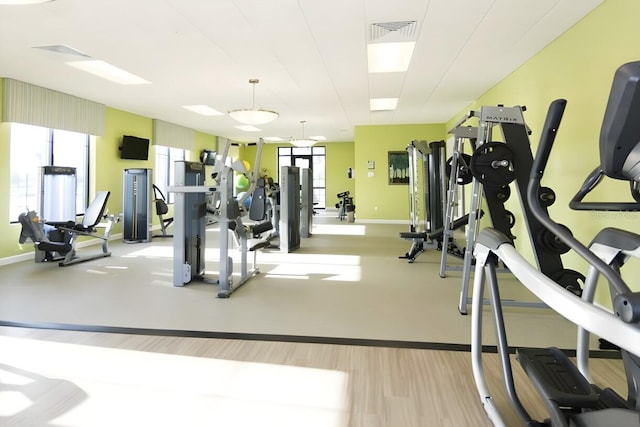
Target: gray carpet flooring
(345,281)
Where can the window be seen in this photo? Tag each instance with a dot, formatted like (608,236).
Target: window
(164,173)
(33,147)
(72,149)
(308,157)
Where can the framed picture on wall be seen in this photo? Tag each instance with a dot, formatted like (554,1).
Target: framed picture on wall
(398,167)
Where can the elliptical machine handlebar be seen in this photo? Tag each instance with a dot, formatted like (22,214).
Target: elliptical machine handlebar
(549,131)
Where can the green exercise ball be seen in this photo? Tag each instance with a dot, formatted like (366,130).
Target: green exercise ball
(242,183)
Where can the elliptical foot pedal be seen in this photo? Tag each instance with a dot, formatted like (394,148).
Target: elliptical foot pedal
(556,378)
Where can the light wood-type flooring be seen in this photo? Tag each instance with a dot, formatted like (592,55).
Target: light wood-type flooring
(70,378)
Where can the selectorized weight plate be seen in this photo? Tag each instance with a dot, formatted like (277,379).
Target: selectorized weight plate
(492,164)
(511,218)
(551,242)
(571,280)
(503,193)
(546,196)
(464,175)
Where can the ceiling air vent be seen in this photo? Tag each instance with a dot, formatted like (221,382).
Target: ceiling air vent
(399,31)
(63,49)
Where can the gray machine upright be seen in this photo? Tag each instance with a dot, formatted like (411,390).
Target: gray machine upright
(306,202)
(138,194)
(190,215)
(289,209)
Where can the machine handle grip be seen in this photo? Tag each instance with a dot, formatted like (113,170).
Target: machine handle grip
(548,136)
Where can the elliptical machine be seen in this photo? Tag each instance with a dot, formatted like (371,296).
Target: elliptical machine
(567,390)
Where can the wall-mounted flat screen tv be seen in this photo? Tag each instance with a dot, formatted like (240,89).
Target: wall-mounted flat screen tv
(134,148)
(208,157)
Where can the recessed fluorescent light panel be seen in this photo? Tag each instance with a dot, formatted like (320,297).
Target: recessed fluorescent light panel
(205,110)
(383,104)
(273,138)
(248,128)
(109,72)
(389,57)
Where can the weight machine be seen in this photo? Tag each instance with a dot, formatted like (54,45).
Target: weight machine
(137,197)
(290,209)
(567,390)
(306,202)
(92,220)
(459,173)
(427,158)
(494,166)
(190,213)
(272,208)
(420,160)
(54,230)
(344,205)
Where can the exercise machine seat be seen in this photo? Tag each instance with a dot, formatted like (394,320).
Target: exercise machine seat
(162,209)
(94,213)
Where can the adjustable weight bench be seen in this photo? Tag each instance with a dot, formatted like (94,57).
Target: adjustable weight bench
(33,230)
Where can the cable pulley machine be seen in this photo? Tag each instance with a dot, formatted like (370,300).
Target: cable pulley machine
(189,241)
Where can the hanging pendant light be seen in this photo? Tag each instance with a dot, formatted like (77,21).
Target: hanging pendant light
(304,142)
(253,116)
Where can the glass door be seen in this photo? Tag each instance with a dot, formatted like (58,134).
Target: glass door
(312,158)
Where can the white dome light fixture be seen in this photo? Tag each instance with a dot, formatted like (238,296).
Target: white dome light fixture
(304,142)
(253,116)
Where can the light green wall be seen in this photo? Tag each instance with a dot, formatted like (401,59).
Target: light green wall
(106,152)
(579,67)
(9,243)
(340,157)
(105,164)
(374,197)
(203,141)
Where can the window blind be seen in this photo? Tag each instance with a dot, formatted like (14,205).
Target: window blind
(38,106)
(171,135)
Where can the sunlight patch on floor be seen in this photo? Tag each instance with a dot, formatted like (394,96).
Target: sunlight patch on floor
(106,387)
(337,272)
(277,264)
(151,252)
(301,258)
(339,229)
